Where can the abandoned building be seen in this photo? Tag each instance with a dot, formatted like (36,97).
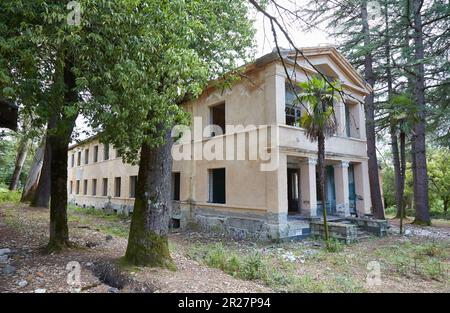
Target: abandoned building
(233,194)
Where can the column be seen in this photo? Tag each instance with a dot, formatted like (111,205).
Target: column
(362,188)
(341,187)
(275,95)
(308,187)
(276,190)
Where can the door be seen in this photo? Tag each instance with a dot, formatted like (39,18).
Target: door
(293,185)
(330,192)
(351,189)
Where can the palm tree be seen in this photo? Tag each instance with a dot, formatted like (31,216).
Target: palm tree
(319,122)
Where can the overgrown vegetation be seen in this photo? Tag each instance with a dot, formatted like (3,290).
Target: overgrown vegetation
(273,271)
(111,224)
(9,196)
(428,260)
(439,192)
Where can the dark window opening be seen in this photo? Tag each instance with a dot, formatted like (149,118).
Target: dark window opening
(347,120)
(106,152)
(217,185)
(133,182)
(79,158)
(105,187)
(117,183)
(73,160)
(293,115)
(218,117)
(94,187)
(174,223)
(96,154)
(71,187)
(85,187)
(86,156)
(77,190)
(176,186)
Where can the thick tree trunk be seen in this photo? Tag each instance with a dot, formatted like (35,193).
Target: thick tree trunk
(59,139)
(369,106)
(148,239)
(33,175)
(422,215)
(20,160)
(41,197)
(393,124)
(321,169)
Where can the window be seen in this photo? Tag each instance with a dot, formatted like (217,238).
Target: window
(217,185)
(218,117)
(176,186)
(73,160)
(78,187)
(117,182)
(94,187)
(352,120)
(85,187)
(86,156)
(293,109)
(105,187)
(95,153)
(293,115)
(347,120)
(106,152)
(79,158)
(133,182)
(71,187)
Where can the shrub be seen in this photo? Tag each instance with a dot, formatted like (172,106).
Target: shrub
(9,196)
(334,245)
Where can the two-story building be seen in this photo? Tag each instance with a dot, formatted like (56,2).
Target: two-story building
(253,174)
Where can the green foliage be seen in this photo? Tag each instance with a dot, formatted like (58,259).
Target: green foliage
(439,184)
(9,196)
(273,271)
(424,259)
(318,97)
(439,181)
(334,245)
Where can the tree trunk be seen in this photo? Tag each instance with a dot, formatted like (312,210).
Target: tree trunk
(59,139)
(422,215)
(148,239)
(369,107)
(41,197)
(321,169)
(393,124)
(20,160)
(33,175)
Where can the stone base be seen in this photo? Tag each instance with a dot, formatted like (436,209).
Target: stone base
(373,226)
(341,231)
(246,226)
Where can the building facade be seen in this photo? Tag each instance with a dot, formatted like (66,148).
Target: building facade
(253,174)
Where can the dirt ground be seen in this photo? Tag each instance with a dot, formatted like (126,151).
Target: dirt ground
(27,232)
(24,231)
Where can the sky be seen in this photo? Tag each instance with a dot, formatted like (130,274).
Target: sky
(264,37)
(264,44)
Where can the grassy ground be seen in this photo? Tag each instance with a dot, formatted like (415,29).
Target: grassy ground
(406,264)
(296,267)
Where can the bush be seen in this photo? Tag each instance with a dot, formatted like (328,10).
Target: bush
(9,196)
(334,245)
(253,267)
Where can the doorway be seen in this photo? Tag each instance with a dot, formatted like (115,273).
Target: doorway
(293,186)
